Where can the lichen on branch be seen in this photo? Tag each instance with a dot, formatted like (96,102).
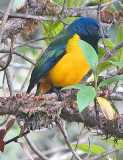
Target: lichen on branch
(39,112)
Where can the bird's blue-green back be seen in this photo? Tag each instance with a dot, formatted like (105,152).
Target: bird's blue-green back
(50,57)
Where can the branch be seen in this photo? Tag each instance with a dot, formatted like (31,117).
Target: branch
(67,141)
(33,147)
(16,138)
(9,57)
(18,54)
(113,51)
(47,108)
(104,154)
(89,150)
(9,82)
(100,26)
(6,15)
(77,143)
(25,20)
(31,41)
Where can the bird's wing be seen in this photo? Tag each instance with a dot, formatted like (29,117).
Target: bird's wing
(55,51)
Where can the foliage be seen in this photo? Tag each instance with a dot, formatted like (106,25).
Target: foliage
(94,149)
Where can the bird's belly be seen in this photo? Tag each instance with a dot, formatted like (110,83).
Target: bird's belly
(71,68)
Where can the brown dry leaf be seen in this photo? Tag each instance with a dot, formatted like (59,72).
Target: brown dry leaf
(2,133)
(9,125)
(2,145)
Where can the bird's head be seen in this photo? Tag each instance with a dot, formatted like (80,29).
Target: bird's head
(88,30)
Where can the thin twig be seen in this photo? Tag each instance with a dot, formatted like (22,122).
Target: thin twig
(18,54)
(33,147)
(103,154)
(67,141)
(77,144)
(18,65)
(9,82)
(89,148)
(111,52)
(2,123)
(3,56)
(22,87)
(55,150)
(9,57)
(76,3)
(30,45)
(3,84)
(6,15)
(60,14)
(16,138)
(15,90)
(26,150)
(64,7)
(31,41)
(100,26)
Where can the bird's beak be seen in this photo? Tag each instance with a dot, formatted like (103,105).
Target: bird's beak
(105,35)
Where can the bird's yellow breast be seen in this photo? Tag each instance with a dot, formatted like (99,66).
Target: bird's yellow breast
(71,68)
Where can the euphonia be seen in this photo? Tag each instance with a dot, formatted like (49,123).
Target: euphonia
(63,63)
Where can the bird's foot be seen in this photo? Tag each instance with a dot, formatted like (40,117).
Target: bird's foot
(58,92)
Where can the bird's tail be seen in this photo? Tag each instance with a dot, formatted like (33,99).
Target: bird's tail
(30,87)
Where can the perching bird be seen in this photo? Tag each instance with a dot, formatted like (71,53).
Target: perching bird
(63,63)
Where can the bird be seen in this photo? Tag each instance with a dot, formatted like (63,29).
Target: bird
(63,63)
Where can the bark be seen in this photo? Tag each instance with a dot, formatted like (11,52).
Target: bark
(39,112)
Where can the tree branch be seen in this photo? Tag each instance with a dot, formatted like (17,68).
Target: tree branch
(33,147)
(18,54)
(29,14)
(5,17)
(111,52)
(47,108)
(67,141)
(104,154)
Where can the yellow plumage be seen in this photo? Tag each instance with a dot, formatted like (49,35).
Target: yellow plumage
(69,70)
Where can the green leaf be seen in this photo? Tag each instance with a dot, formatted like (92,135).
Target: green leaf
(119,64)
(51,29)
(111,80)
(89,53)
(101,51)
(94,149)
(107,64)
(109,44)
(59,2)
(85,96)
(101,48)
(103,66)
(96,2)
(70,3)
(77,86)
(119,143)
(119,53)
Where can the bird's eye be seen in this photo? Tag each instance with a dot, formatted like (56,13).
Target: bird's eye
(96,28)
